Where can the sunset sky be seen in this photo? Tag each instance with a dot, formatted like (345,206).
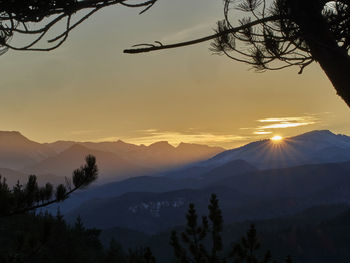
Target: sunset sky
(88,90)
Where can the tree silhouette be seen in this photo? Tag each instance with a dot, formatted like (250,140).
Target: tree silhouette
(289,259)
(139,255)
(42,237)
(195,236)
(245,250)
(272,34)
(21,199)
(34,19)
(277,34)
(203,243)
(115,253)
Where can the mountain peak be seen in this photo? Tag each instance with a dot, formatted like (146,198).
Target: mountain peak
(13,137)
(11,134)
(318,132)
(316,135)
(17,151)
(161,145)
(311,147)
(186,145)
(122,143)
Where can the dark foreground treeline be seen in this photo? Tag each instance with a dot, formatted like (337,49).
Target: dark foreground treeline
(319,235)
(44,238)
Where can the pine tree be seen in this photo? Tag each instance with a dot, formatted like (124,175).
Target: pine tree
(196,236)
(23,201)
(215,217)
(289,260)
(277,34)
(140,255)
(115,253)
(245,251)
(29,197)
(203,243)
(148,256)
(78,225)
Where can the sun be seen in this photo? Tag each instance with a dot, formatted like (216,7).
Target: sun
(277,138)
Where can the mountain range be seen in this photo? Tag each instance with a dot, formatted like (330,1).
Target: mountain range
(149,187)
(291,175)
(17,151)
(20,157)
(161,155)
(257,194)
(312,147)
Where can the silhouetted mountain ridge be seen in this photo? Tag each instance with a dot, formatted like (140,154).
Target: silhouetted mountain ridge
(257,194)
(306,148)
(157,156)
(157,184)
(116,160)
(17,151)
(110,164)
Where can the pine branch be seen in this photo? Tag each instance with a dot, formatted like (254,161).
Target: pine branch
(160,46)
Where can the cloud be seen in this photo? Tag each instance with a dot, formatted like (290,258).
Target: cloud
(290,119)
(84,132)
(284,125)
(268,125)
(150,136)
(262,132)
(284,122)
(265,127)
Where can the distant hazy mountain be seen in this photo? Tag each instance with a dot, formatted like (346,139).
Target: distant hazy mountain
(159,155)
(211,172)
(295,174)
(251,195)
(16,151)
(157,184)
(111,166)
(298,181)
(229,170)
(115,147)
(20,156)
(149,212)
(312,147)
(118,160)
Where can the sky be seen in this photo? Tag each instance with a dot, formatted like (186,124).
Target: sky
(88,90)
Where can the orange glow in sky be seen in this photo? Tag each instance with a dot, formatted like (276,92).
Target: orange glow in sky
(88,90)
